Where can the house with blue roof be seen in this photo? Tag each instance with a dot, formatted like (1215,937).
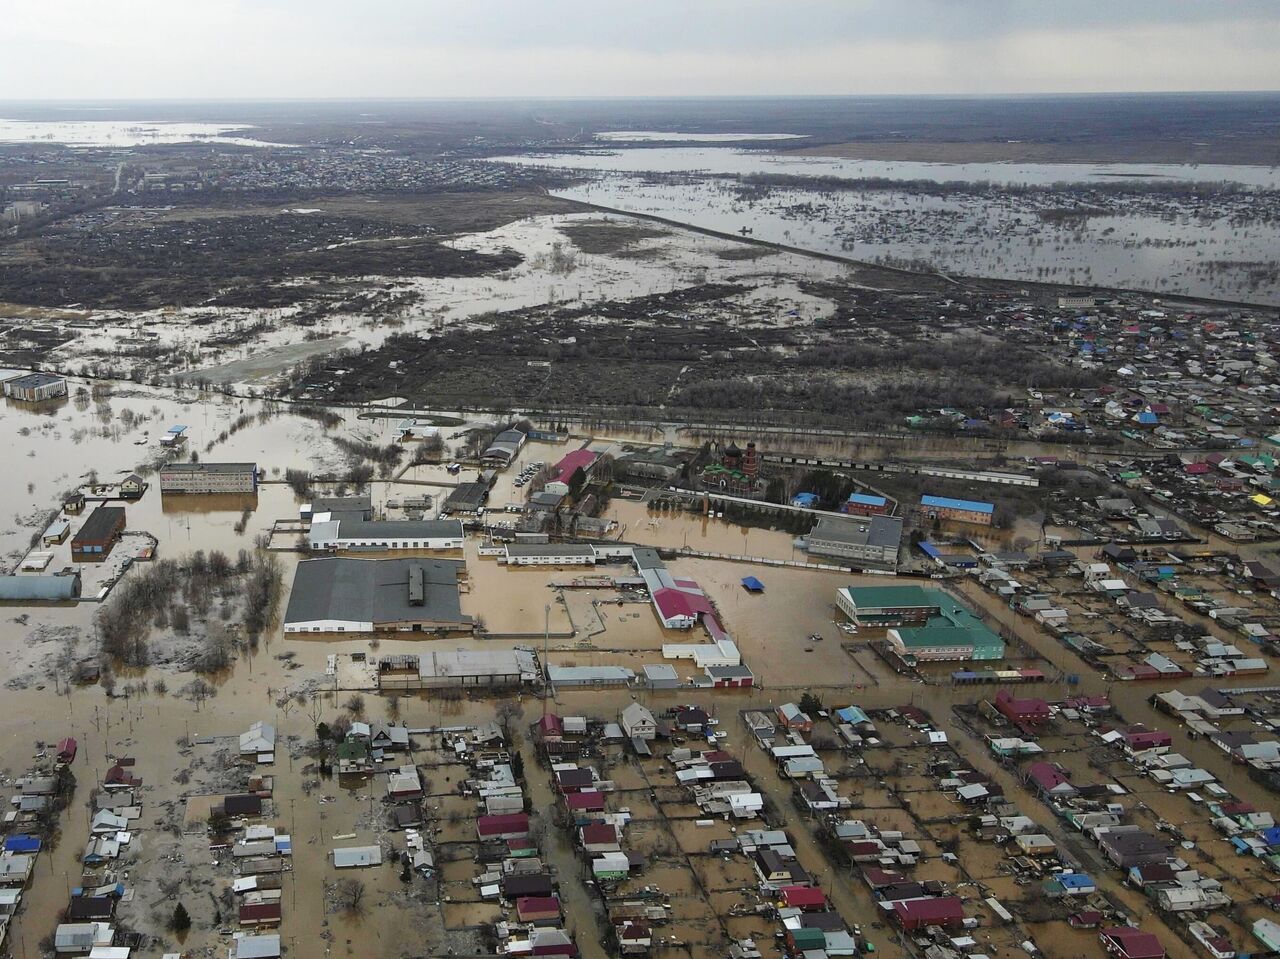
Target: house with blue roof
(961,510)
(22,844)
(805,500)
(1069,884)
(854,716)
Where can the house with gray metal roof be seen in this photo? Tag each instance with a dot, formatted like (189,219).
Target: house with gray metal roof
(339,595)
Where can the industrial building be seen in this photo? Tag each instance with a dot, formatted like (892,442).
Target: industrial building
(551,554)
(34,387)
(344,534)
(961,510)
(872,541)
(590,675)
(93,541)
(465,498)
(888,605)
(209,478)
(458,667)
(39,589)
(504,448)
(338,508)
(336,595)
(925,624)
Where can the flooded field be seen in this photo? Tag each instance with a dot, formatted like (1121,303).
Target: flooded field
(722,161)
(252,347)
(1142,239)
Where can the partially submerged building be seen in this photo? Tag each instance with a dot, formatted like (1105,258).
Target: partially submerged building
(209,478)
(327,533)
(338,595)
(869,541)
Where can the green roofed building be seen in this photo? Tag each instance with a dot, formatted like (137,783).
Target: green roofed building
(926,624)
(889,605)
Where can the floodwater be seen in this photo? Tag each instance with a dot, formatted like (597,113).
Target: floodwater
(240,338)
(660,136)
(772,630)
(124,133)
(1162,244)
(725,161)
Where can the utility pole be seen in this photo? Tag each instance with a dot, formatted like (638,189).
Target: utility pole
(546,639)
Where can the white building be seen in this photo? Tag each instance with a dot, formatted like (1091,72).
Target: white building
(259,743)
(638,722)
(551,554)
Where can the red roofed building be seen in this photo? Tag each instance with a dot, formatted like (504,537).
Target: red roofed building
(1129,943)
(550,726)
(66,750)
(563,472)
(1049,779)
(538,909)
(589,800)
(1138,738)
(804,898)
(510,826)
(260,914)
(944,911)
(1023,713)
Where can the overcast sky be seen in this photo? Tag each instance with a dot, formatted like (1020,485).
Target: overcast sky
(78,49)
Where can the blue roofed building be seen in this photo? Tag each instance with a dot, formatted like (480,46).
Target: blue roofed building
(962,510)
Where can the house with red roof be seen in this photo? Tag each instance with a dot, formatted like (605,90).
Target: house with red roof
(1138,738)
(944,911)
(1049,780)
(538,909)
(804,898)
(1129,943)
(589,800)
(1023,713)
(508,826)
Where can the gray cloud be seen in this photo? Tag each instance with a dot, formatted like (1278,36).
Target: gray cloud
(327,48)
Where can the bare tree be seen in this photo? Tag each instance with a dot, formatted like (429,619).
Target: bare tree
(349,895)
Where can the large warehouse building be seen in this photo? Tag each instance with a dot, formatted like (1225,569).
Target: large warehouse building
(336,595)
(345,534)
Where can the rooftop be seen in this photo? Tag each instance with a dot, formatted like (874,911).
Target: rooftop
(375,591)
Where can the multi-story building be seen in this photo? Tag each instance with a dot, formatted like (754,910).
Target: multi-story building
(872,541)
(34,387)
(962,510)
(209,478)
